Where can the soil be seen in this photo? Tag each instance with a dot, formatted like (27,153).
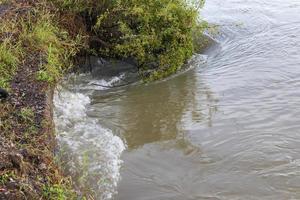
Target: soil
(27,145)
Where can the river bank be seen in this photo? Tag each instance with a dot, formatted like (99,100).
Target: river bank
(228,129)
(38,45)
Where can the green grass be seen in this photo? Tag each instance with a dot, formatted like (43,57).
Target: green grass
(52,70)
(4,178)
(54,45)
(11,51)
(58,192)
(58,49)
(35,34)
(9,59)
(27,114)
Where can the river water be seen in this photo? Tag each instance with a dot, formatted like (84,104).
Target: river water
(227,129)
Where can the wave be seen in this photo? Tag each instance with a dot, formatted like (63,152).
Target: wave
(89,152)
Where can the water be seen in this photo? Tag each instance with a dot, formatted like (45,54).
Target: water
(90,153)
(228,129)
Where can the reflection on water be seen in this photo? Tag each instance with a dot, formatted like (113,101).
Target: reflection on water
(228,129)
(161,159)
(154,112)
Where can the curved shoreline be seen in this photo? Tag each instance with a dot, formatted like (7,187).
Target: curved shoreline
(36,55)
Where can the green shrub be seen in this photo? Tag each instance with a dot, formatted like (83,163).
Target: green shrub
(156,33)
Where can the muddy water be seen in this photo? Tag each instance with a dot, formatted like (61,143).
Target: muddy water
(228,129)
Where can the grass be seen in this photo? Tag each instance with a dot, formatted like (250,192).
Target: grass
(27,115)
(54,188)
(10,51)
(9,59)
(58,192)
(25,35)
(54,45)
(44,37)
(6,177)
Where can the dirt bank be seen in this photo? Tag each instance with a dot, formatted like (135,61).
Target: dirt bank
(27,137)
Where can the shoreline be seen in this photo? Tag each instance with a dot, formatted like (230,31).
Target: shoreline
(36,51)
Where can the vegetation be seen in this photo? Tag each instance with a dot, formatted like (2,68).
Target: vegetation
(9,59)
(37,31)
(157,34)
(58,192)
(34,53)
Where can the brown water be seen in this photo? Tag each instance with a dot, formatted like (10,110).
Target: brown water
(228,129)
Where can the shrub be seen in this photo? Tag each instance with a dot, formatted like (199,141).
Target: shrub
(157,34)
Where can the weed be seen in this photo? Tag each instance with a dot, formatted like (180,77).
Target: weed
(27,114)
(58,192)
(4,178)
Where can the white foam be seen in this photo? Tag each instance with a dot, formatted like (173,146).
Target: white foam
(92,151)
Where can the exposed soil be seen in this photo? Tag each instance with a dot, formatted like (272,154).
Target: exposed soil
(27,142)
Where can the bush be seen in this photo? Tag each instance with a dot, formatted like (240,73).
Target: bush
(157,34)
